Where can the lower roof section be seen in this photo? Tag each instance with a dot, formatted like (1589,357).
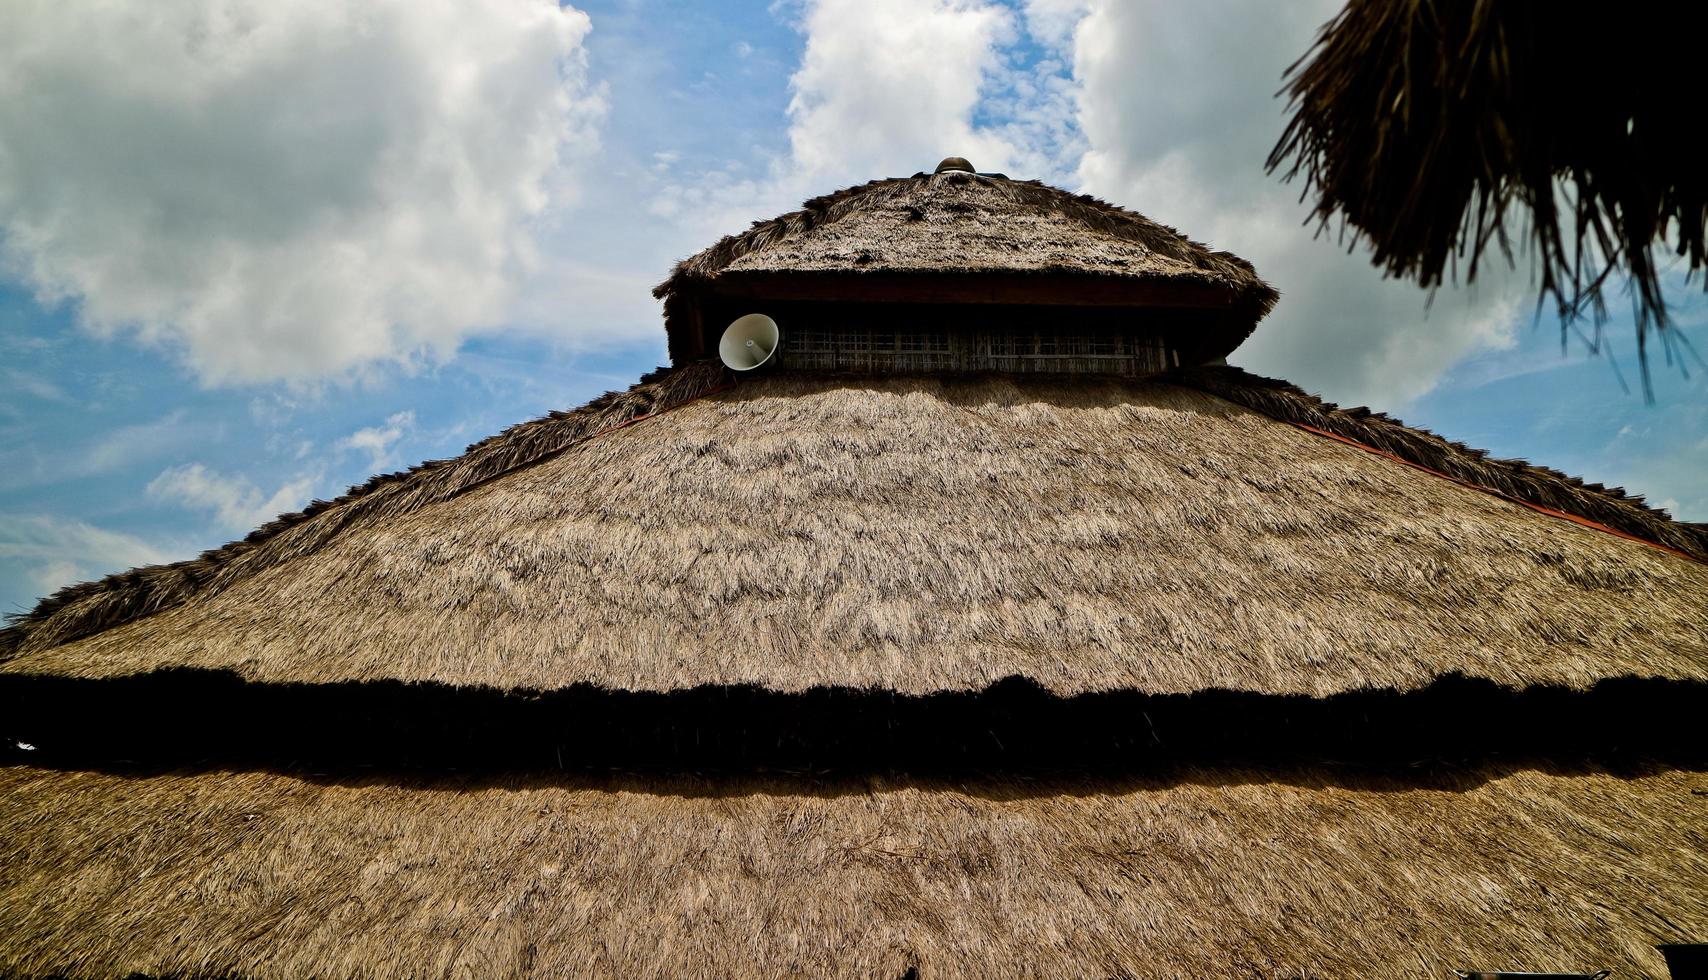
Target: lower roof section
(1202,872)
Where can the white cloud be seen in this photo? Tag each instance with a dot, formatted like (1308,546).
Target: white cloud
(1178,109)
(888,87)
(378,441)
(883,88)
(56,552)
(236,502)
(54,574)
(286,190)
(26,464)
(1053,22)
(36,386)
(129,444)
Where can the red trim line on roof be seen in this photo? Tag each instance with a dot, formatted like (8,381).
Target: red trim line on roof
(1337,437)
(1539,508)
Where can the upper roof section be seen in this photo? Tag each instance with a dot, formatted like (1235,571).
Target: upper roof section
(920,535)
(958,237)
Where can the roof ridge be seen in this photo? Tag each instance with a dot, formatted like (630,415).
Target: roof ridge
(1518,479)
(81,610)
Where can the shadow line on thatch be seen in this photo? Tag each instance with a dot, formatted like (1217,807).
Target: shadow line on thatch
(1013,729)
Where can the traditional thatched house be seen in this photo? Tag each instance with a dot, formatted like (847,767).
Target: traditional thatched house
(972,637)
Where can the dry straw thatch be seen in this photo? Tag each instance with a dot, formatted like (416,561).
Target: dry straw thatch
(801,532)
(1424,123)
(82,609)
(960,225)
(1197,873)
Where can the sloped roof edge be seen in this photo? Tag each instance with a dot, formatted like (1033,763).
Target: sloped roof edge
(1513,478)
(83,610)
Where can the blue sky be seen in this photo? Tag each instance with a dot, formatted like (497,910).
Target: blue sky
(251,255)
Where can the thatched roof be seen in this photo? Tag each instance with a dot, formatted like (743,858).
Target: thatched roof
(1317,872)
(802,532)
(904,676)
(892,675)
(980,238)
(1443,129)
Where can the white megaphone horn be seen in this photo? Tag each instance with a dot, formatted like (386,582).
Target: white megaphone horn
(749,342)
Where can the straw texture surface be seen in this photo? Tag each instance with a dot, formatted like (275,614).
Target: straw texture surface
(79,610)
(1203,873)
(919,535)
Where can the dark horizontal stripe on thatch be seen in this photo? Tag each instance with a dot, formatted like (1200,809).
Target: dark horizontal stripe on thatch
(1000,226)
(1201,872)
(1090,534)
(1014,728)
(1512,478)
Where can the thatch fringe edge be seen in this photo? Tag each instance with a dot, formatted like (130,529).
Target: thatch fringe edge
(1520,481)
(1426,128)
(88,608)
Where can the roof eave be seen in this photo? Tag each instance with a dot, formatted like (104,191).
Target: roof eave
(1241,305)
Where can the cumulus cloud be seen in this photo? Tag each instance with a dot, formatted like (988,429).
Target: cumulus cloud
(888,87)
(1178,112)
(54,552)
(235,502)
(286,190)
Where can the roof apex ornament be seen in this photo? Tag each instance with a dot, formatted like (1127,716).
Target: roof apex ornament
(954,165)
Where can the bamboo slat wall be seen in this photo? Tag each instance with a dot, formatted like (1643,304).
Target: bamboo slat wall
(1009,349)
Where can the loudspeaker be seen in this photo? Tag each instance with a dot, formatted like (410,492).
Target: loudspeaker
(749,342)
